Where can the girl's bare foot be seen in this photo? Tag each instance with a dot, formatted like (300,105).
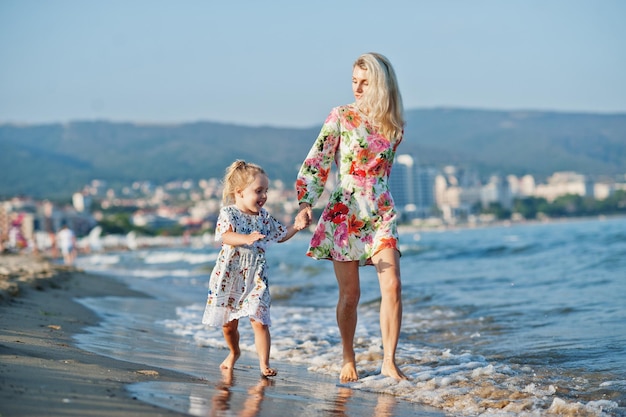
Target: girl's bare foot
(348,373)
(229,362)
(267,372)
(391,369)
(227,376)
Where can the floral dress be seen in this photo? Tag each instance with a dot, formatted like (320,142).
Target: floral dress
(238,286)
(360,218)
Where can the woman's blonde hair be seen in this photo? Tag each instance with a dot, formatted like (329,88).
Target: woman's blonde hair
(382,101)
(238,176)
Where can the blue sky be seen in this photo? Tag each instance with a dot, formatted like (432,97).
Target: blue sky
(286,63)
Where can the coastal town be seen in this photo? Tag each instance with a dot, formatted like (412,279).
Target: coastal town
(101,216)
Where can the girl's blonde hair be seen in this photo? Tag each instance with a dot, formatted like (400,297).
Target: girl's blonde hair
(382,101)
(238,176)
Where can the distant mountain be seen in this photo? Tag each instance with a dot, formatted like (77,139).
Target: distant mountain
(520,142)
(54,160)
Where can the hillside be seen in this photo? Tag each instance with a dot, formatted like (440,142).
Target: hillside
(538,143)
(54,160)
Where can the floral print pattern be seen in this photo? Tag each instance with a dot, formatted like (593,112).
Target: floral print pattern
(360,218)
(238,286)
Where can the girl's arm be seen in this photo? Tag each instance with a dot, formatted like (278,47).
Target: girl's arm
(304,217)
(237,239)
(291,231)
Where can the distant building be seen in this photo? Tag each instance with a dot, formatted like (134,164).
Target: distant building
(401,181)
(457,192)
(412,188)
(606,187)
(527,186)
(563,183)
(425,191)
(4,223)
(521,187)
(96,188)
(81,202)
(152,220)
(498,191)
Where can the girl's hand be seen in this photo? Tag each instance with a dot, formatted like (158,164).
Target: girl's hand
(253,237)
(303,219)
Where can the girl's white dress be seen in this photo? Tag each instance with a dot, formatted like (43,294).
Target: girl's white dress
(238,286)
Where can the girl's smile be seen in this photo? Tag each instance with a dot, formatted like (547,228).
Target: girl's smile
(253,197)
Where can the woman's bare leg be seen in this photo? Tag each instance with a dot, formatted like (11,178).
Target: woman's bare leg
(231,336)
(387,263)
(347,274)
(263,341)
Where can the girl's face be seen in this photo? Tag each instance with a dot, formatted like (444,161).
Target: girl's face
(359,82)
(253,197)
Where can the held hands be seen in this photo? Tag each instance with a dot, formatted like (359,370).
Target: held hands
(303,218)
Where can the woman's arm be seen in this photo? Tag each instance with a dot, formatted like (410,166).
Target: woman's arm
(316,167)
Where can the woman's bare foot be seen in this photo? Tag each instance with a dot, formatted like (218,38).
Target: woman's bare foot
(267,372)
(348,373)
(391,369)
(229,362)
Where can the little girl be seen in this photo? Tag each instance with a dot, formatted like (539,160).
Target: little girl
(238,286)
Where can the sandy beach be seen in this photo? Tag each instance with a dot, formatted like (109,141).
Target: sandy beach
(43,373)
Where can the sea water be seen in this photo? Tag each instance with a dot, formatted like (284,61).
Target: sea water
(520,319)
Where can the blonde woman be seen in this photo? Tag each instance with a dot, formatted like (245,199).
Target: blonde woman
(358,224)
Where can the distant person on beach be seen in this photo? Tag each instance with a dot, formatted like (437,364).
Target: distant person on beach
(238,286)
(358,225)
(66,241)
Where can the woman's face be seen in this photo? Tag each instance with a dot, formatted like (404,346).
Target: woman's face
(359,82)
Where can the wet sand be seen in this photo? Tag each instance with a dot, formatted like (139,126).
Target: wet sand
(43,373)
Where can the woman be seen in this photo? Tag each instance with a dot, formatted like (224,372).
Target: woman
(358,225)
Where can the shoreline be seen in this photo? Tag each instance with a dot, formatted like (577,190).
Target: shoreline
(42,372)
(411,228)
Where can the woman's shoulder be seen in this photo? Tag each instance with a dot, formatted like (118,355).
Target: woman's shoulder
(344,108)
(346,113)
